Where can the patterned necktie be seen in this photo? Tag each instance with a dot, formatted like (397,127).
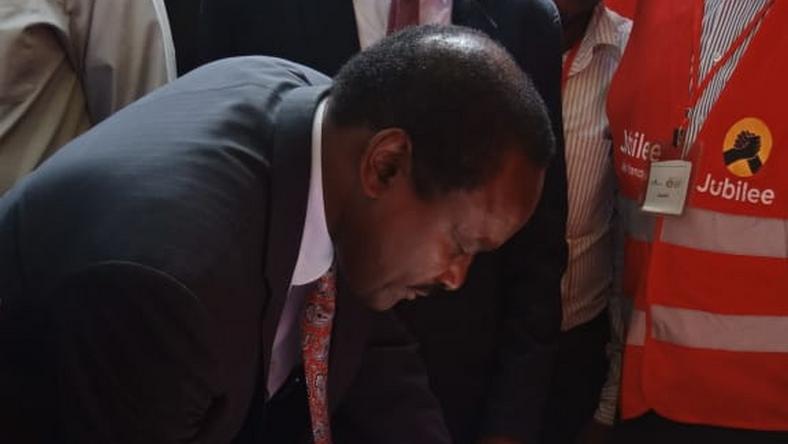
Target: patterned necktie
(316,339)
(402,13)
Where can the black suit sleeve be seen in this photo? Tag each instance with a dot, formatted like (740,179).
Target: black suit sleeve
(130,354)
(534,261)
(389,401)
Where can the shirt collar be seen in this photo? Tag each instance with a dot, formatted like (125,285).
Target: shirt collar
(316,252)
(606,29)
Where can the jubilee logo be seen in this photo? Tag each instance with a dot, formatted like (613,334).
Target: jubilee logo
(745,151)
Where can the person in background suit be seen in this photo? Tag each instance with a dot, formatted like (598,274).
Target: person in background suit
(501,328)
(249,203)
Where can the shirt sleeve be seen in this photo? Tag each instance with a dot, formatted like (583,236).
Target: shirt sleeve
(121,49)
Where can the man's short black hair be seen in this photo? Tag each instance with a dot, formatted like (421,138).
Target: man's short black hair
(459,96)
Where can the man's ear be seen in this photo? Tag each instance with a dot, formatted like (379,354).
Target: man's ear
(387,157)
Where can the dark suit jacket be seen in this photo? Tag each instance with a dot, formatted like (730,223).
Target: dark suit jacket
(145,267)
(489,348)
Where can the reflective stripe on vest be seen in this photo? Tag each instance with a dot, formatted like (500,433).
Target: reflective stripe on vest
(709,230)
(712,331)
(734,234)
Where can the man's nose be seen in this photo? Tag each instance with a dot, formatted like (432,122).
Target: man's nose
(454,276)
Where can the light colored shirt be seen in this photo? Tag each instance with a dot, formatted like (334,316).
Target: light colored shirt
(723,21)
(372,17)
(66,65)
(315,255)
(587,282)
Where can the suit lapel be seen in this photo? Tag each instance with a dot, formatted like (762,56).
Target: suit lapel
(290,169)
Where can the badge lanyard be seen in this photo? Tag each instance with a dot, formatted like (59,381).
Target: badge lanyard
(668,183)
(699,85)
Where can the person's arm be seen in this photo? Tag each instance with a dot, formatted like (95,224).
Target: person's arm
(389,400)
(131,357)
(122,49)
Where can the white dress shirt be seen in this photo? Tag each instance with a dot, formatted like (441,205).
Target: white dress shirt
(372,17)
(66,65)
(315,256)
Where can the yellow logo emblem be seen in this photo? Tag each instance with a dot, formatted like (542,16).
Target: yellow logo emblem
(747,147)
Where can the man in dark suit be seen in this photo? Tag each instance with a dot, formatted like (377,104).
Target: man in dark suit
(150,268)
(490,347)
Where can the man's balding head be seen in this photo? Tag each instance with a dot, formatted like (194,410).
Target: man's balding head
(458,95)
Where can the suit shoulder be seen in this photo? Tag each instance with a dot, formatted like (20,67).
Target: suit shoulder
(260,70)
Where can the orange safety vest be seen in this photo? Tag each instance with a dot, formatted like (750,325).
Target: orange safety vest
(708,337)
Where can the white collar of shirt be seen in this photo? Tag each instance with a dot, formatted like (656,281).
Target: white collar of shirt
(316,252)
(606,29)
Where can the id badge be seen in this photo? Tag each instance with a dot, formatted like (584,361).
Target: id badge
(668,182)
